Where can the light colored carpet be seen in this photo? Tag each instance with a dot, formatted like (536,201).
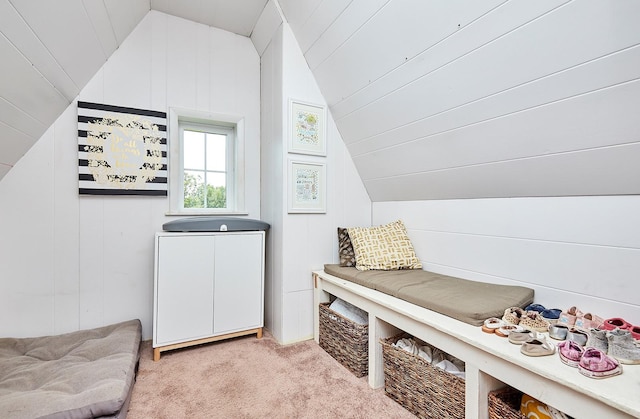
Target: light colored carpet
(254,378)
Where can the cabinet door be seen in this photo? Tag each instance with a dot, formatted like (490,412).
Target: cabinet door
(238,294)
(184,306)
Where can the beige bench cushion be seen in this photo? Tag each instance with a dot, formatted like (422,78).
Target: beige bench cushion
(469,301)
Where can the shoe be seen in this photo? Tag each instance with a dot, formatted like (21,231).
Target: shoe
(596,364)
(570,353)
(551,315)
(598,340)
(622,346)
(588,321)
(538,347)
(518,337)
(507,329)
(611,324)
(558,331)
(535,307)
(635,332)
(577,336)
(512,315)
(568,318)
(492,324)
(533,320)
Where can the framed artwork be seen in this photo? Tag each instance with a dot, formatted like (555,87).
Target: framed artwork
(307,128)
(121,151)
(307,187)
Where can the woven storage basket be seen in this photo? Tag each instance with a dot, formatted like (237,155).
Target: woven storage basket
(505,404)
(423,389)
(345,340)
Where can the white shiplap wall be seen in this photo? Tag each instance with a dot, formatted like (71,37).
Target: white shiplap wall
(459,99)
(582,251)
(529,107)
(68,262)
(299,243)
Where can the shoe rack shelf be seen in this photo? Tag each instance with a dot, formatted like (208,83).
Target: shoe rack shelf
(491,361)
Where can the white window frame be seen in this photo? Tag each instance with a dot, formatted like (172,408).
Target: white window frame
(181,118)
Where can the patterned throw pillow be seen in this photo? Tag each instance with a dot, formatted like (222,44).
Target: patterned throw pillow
(385,247)
(345,248)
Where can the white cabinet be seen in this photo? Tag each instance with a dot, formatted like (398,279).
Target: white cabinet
(207,287)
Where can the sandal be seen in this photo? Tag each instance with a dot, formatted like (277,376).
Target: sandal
(507,329)
(491,324)
(596,364)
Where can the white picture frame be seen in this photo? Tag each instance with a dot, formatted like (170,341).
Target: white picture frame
(307,128)
(307,187)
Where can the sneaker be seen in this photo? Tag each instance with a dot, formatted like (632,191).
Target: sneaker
(570,353)
(588,321)
(513,315)
(598,340)
(615,322)
(538,347)
(534,321)
(622,346)
(568,318)
(596,364)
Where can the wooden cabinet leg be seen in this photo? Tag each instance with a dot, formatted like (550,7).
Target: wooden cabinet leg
(259,333)
(156,354)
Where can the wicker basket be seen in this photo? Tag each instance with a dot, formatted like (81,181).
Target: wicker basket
(345,340)
(423,389)
(505,404)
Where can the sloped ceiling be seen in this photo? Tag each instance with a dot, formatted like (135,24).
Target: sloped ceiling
(434,99)
(50,49)
(446,99)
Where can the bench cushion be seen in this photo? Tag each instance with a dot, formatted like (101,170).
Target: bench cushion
(469,301)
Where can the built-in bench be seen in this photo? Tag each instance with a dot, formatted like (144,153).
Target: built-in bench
(490,361)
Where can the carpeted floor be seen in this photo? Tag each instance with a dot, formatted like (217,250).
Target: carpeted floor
(254,378)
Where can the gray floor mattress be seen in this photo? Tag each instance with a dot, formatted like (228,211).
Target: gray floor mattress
(83,374)
(471,302)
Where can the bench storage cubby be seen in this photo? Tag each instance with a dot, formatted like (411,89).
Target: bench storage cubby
(422,388)
(504,403)
(345,340)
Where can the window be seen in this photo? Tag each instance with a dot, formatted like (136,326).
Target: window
(205,163)
(207,166)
